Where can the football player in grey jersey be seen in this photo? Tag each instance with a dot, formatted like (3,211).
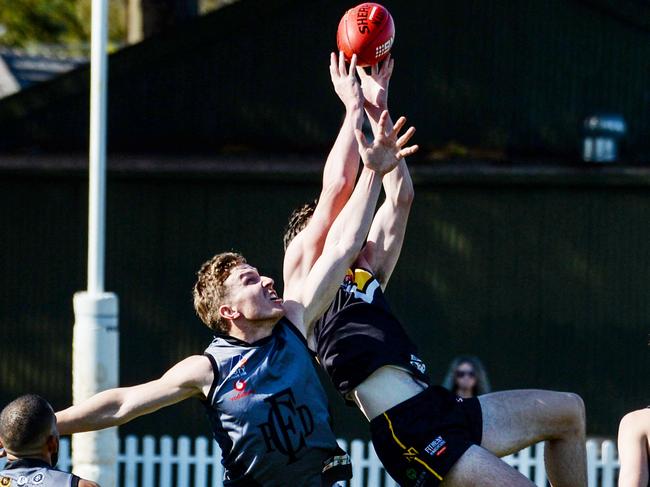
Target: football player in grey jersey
(30,440)
(244,310)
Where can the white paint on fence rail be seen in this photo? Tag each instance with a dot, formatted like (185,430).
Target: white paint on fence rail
(146,462)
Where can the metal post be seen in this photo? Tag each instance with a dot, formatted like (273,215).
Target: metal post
(95,351)
(97,153)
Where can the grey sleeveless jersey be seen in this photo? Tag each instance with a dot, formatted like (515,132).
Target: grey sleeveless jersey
(35,473)
(268,410)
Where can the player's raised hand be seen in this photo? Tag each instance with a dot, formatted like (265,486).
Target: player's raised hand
(375,85)
(387,149)
(345,81)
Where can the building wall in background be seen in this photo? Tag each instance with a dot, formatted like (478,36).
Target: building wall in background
(546,282)
(502,78)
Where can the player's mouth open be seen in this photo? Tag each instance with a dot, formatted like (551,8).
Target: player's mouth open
(274,297)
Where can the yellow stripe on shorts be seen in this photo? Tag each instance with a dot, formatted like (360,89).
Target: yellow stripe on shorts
(392,432)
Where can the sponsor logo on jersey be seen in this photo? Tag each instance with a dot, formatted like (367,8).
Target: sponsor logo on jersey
(360,283)
(240,387)
(288,425)
(237,366)
(418,364)
(437,447)
(38,478)
(22,480)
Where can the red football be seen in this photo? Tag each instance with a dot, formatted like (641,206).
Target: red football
(368,31)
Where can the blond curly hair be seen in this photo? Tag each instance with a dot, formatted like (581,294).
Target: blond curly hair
(209,291)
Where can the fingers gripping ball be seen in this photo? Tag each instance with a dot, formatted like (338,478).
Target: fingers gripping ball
(368,31)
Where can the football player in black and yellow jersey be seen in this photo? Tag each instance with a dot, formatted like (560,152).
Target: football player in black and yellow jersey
(423,434)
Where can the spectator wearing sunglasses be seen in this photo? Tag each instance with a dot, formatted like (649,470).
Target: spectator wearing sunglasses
(466,377)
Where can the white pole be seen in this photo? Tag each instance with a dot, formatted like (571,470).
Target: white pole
(95,349)
(97,179)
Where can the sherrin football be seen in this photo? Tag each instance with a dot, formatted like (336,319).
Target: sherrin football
(368,31)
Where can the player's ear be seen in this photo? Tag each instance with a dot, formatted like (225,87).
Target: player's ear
(52,443)
(228,313)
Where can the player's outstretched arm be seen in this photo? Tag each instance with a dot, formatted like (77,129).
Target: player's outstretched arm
(343,246)
(87,483)
(188,378)
(386,236)
(342,164)
(388,228)
(339,176)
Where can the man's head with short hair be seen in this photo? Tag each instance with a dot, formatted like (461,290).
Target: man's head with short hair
(210,290)
(298,221)
(28,428)
(229,290)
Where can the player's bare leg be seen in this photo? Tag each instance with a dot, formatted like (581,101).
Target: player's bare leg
(480,467)
(634,449)
(513,420)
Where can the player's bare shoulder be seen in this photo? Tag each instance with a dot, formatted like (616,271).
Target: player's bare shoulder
(195,371)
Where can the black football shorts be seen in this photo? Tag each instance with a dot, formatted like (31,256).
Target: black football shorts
(420,439)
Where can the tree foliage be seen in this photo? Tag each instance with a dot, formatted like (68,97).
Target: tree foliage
(27,23)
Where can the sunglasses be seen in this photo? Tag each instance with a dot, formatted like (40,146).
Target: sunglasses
(462,373)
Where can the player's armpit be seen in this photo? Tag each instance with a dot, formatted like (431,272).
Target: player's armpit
(307,246)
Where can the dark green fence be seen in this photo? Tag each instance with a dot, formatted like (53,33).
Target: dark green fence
(544,277)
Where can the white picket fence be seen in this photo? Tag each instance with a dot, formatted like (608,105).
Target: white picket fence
(166,462)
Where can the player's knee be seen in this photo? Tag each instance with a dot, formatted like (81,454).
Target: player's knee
(581,414)
(579,405)
(575,413)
